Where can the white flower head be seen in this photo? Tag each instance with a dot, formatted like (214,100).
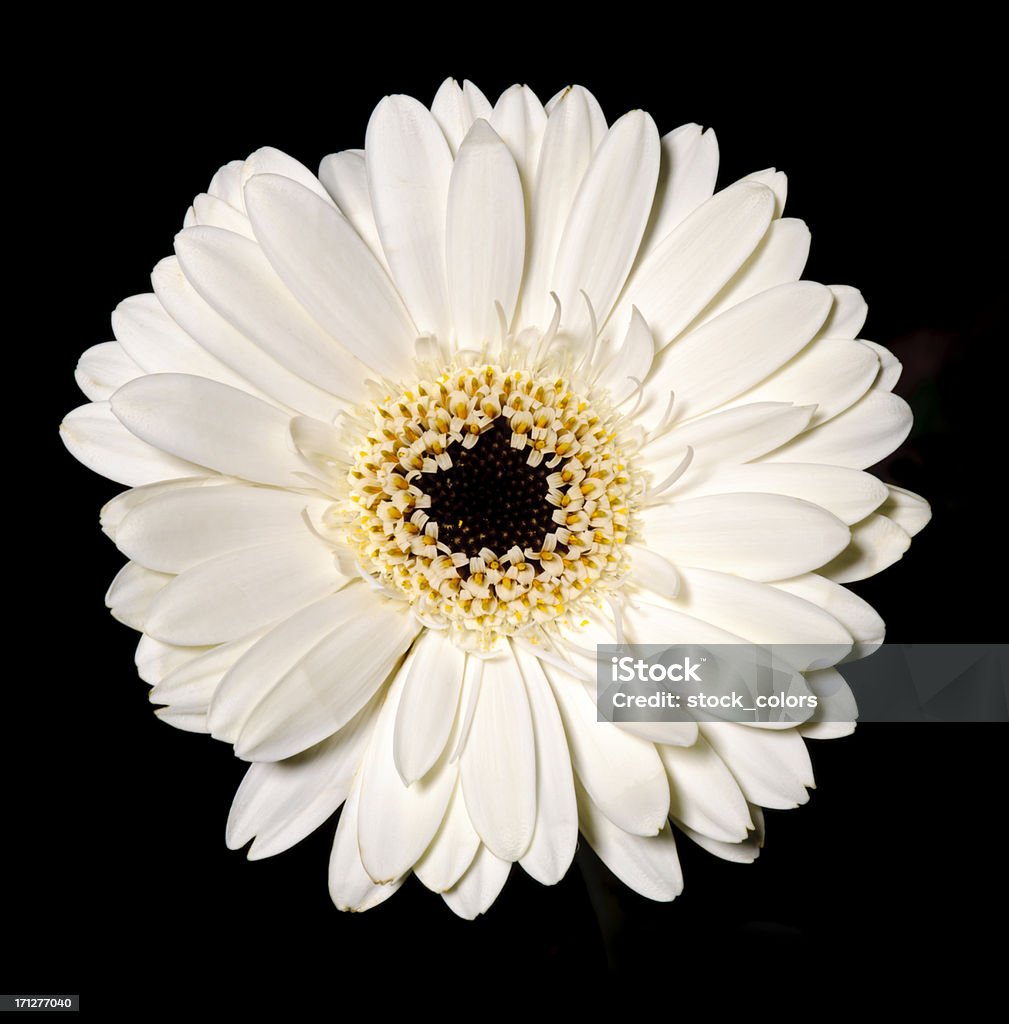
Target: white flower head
(407,440)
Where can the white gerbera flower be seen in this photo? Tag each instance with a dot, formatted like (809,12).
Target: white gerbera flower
(406,440)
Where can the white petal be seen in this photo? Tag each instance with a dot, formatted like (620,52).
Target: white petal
(115,511)
(329,683)
(650,866)
(740,348)
(485,236)
(226,184)
(103,369)
(132,592)
(831,374)
(280,803)
(452,850)
(350,886)
(409,164)
(428,705)
(771,766)
(778,259)
(212,425)
(745,852)
(876,543)
(847,493)
(181,527)
(608,218)
(95,437)
(760,613)
(848,315)
(455,110)
(187,721)
(155,660)
(556,833)
(568,144)
(272,161)
(632,362)
(760,536)
(474,893)
(216,213)
(836,709)
(725,438)
(235,277)
(192,684)
(862,435)
(235,351)
(396,823)
(345,178)
(498,763)
(689,166)
(691,265)
(910,511)
(519,119)
(777,182)
(622,773)
(653,571)
(857,616)
(329,269)
(703,793)
(233,595)
(889,366)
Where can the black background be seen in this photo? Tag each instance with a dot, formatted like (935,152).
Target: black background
(115,868)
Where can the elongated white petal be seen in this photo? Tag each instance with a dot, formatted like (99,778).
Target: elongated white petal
(761,536)
(777,182)
(485,236)
(212,425)
(745,852)
(187,721)
(155,660)
(691,265)
(760,613)
(779,259)
(235,594)
(876,543)
(847,493)
(194,683)
(409,164)
(226,184)
(452,850)
(859,437)
(132,593)
(235,277)
(281,802)
(331,271)
(103,369)
(182,527)
(830,373)
(350,886)
(836,709)
(771,766)
(848,314)
(501,746)
(216,213)
(396,822)
(649,865)
(653,571)
(328,684)
(632,362)
(740,348)
(456,107)
(687,172)
(272,161)
(474,893)
(608,218)
(428,705)
(568,144)
(345,177)
(266,376)
(95,437)
(519,119)
(910,511)
(703,794)
(115,511)
(726,438)
(556,833)
(857,616)
(621,772)
(889,366)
